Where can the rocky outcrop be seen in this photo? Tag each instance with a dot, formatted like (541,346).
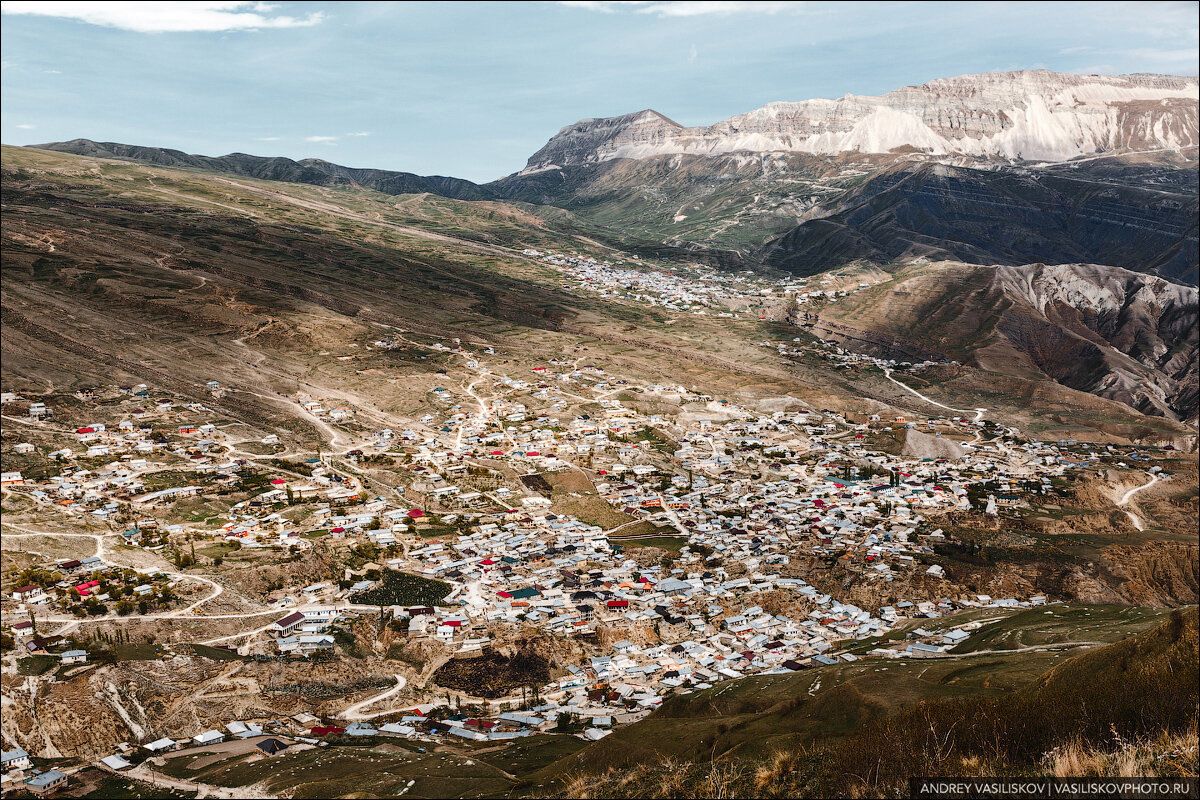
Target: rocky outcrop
(1111,332)
(922,445)
(1011,116)
(1155,574)
(87,714)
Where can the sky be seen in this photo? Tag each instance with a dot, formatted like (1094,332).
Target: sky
(473,89)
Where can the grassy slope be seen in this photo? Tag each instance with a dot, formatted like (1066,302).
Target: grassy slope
(983,719)
(128,273)
(753,717)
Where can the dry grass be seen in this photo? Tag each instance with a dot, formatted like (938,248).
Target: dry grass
(1168,755)
(1125,710)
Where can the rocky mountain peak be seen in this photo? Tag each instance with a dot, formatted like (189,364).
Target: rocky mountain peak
(591,140)
(1003,116)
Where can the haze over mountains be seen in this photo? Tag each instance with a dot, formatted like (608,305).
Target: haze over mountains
(1000,168)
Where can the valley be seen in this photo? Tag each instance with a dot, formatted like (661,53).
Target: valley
(684,462)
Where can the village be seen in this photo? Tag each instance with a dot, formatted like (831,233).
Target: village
(682,535)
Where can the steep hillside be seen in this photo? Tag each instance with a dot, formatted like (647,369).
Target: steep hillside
(175,277)
(1108,331)
(121,272)
(117,271)
(997,217)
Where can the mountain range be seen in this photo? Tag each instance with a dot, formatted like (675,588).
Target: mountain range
(1002,168)
(1004,116)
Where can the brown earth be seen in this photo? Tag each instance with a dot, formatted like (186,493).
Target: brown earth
(88,714)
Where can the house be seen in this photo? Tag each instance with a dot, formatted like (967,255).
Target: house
(15,759)
(26,593)
(74,657)
(955,636)
(115,762)
(161,745)
(920,650)
(286,625)
(47,783)
(209,737)
(11,479)
(272,746)
(327,730)
(305,643)
(243,730)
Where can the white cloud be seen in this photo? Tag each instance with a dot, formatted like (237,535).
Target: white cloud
(684,8)
(25,126)
(360,133)
(267,139)
(321,139)
(166,17)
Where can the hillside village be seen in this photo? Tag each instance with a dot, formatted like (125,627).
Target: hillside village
(677,532)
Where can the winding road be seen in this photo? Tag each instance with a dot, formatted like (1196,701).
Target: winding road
(1125,498)
(887,373)
(352,713)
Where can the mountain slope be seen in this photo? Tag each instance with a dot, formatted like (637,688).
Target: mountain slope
(1104,330)
(1000,168)
(997,217)
(310,170)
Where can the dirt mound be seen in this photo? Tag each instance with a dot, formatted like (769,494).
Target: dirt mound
(922,445)
(260,579)
(569,480)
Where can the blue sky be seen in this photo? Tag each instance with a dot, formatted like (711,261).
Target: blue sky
(473,89)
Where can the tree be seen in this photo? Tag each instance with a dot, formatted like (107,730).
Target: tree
(291,497)
(125,607)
